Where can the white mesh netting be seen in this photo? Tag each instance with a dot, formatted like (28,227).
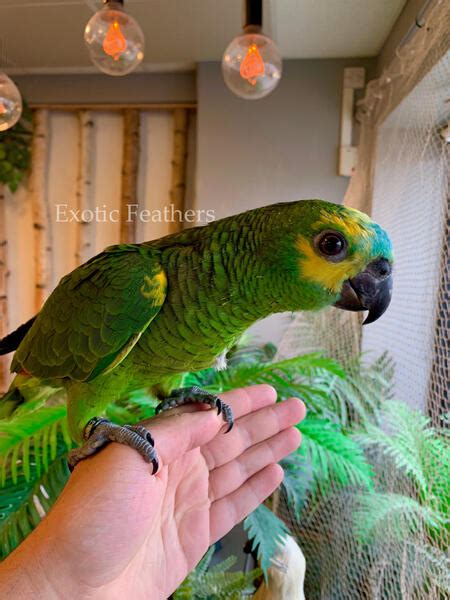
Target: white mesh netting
(402,181)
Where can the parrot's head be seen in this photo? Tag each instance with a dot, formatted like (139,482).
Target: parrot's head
(341,257)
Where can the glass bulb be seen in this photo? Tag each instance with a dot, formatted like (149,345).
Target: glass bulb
(252,66)
(114,40)
(10,103)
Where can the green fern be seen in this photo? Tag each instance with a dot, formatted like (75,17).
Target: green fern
(399,531)
(417,450)
(216,583)
(307,376)
(266,531)
(24,501)
(358,397)
(397,514)
(29,439)
(298,481)
(334,457)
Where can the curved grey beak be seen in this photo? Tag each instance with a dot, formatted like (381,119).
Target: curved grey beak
(370,290)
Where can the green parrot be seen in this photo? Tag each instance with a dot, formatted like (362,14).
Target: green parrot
(142,315)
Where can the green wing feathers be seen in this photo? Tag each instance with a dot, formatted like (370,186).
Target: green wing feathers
(95,316)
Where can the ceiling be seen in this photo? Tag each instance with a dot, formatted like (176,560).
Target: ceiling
(46,36)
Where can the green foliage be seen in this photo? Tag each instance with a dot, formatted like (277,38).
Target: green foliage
(417,450)
(358,397)
(266,531)
(399,514)
(137,406)
(216,583)
(397,532)
(412,513)
(15,152)
(298,480)
(332,459)
(308,376)
(24,501)
(29,441)
(328,453)
(333,456)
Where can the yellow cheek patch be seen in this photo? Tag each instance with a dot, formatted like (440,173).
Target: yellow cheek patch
(317,269)
(154,288)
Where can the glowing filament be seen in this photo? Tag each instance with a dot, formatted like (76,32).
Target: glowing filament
(114,43)
(252,66)
(2,108)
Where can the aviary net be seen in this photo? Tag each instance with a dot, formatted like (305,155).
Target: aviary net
(402,181)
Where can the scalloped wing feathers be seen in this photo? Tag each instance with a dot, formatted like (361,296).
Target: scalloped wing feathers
(95,315)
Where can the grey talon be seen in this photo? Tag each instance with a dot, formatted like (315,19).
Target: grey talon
(99,432)
(195,394)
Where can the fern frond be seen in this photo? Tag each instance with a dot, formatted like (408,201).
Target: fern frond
(415,447)
(283,375)
(432,564)
(333,456)
(298,480)
(216,583)
(266,531)
(30,439)
(24,502)
(401,516)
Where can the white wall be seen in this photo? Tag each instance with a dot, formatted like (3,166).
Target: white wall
(281,148)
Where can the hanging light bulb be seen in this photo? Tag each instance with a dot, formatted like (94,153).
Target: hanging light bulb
(251,64)
(114,39)
(10,103)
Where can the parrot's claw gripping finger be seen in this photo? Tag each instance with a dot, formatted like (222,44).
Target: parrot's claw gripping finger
(197,395)
(99,432)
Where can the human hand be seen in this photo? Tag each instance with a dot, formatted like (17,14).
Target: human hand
(118,532)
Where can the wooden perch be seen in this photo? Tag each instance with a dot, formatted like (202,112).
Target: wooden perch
(4,317)
(178,187)
(42,247)
(85,229)
(130,166)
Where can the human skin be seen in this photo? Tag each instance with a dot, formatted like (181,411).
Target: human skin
(118,532)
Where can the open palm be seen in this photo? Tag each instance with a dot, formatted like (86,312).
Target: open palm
(119,532)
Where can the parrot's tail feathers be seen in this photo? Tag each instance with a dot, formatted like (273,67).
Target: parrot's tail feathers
(9,402)
(11,341)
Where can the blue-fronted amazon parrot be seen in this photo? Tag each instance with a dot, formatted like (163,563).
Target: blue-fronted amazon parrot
(141,315)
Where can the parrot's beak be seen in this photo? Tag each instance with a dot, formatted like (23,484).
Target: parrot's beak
(370,290)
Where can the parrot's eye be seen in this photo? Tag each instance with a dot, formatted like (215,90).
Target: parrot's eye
(332,245)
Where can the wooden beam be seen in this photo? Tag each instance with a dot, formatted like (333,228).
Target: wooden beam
(114,107)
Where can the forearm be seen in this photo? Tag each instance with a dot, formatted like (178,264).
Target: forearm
(24,574)
(36,570)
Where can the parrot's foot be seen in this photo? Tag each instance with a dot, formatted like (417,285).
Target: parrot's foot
(195,394)
(99,432)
